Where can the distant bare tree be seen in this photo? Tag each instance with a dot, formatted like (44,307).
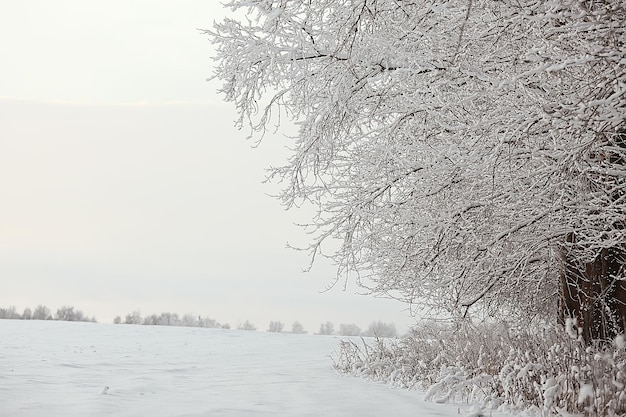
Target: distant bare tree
(151,320)
(9,313)
(164,319)
(133,318)
(169,319)
(189,320)
(349,330)
(247,326)
(27,314)
(117,320)
(297,328)
(380,329)
(208,323)
(67,313)
(327,328)
(42,313)
(276,327)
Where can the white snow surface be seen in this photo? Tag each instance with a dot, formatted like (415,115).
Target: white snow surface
(50,369)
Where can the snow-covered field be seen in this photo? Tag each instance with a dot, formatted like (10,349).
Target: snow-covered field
(62,369)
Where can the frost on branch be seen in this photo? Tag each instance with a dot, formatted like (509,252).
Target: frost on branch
(468,155)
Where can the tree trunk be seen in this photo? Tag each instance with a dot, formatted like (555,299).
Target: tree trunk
(594,293)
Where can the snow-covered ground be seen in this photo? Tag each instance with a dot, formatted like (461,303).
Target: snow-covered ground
(62,369)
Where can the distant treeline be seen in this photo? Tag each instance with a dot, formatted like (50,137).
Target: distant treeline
(375,329)
(69,313)
(378,328)
(41,312)
(170,319)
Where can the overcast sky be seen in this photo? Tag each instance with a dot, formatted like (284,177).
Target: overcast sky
(124,184)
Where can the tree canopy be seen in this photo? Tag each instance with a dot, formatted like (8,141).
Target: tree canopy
(465,153)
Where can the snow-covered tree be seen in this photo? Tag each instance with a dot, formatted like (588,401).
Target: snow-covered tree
(466,154)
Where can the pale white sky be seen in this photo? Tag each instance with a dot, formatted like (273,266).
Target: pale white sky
(124,184)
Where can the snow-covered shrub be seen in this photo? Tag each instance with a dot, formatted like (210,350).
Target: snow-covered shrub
(497,367)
